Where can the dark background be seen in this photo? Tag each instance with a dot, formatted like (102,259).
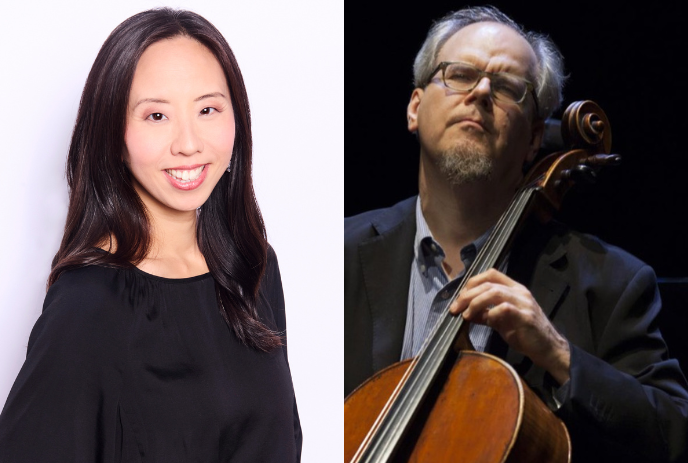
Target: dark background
(632,62)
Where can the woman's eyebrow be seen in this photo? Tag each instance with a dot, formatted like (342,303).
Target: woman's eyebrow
(150,100)
(210,95)
(158,100)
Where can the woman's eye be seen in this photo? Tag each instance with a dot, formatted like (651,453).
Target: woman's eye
(157,117)
(208,111)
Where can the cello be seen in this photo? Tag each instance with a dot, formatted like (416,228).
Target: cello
(450,403)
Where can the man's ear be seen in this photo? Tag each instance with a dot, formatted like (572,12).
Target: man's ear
(412,110)
(536,133)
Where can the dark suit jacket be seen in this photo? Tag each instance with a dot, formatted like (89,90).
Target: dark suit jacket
(626,401)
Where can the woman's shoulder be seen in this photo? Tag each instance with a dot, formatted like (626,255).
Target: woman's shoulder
(88,275)
(90,286)
(72,373)
(84,300)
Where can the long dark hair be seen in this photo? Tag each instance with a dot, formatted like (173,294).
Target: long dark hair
(103,203)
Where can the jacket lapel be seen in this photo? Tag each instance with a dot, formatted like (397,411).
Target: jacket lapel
(386,263)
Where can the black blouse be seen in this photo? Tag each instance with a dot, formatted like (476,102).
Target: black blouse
(127,366)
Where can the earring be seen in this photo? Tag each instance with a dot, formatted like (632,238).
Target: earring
(228,167)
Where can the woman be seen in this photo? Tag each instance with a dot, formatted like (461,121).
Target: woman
(162,333)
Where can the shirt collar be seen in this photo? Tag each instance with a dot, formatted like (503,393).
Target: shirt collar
(428,252)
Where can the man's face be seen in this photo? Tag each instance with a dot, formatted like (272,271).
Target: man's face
(471,131)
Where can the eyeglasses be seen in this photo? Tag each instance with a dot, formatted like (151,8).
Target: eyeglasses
(505,87)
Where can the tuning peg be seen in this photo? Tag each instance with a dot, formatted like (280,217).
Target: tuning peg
(601,160)
(580,173)
(584,173)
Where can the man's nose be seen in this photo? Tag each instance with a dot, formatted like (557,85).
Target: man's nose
(186,138)
(481,93)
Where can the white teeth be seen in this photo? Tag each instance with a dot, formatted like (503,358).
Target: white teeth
(185,176)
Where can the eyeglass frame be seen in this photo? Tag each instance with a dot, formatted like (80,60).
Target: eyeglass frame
(529,85)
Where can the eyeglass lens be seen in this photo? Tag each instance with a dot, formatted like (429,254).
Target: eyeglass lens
(504,87)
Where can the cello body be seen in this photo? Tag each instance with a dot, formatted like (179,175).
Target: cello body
(481,413)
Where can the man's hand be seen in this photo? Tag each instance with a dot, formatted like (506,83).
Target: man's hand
(495,300)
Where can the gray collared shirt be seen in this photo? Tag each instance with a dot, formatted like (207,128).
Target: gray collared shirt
(430,289)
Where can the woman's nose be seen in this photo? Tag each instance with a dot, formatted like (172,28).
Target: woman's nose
(186,139)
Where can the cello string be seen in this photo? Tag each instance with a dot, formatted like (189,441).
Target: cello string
(421,372)
(504,225)
(430,357)
(487,259)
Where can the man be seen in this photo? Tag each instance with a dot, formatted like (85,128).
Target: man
(573,315)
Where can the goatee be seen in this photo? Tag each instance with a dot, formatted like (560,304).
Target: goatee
(465,163)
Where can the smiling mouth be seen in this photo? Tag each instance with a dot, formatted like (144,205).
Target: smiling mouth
(185,176)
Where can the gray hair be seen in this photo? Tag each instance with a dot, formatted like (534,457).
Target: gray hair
(548,79)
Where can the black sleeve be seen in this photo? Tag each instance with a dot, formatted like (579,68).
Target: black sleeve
(628,400)
(272,282)
(63,404)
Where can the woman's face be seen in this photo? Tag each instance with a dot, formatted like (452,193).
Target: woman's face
(180,125)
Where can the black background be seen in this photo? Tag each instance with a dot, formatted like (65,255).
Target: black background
(632,62)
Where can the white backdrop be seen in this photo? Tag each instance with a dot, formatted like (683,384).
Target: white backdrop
(46,51)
